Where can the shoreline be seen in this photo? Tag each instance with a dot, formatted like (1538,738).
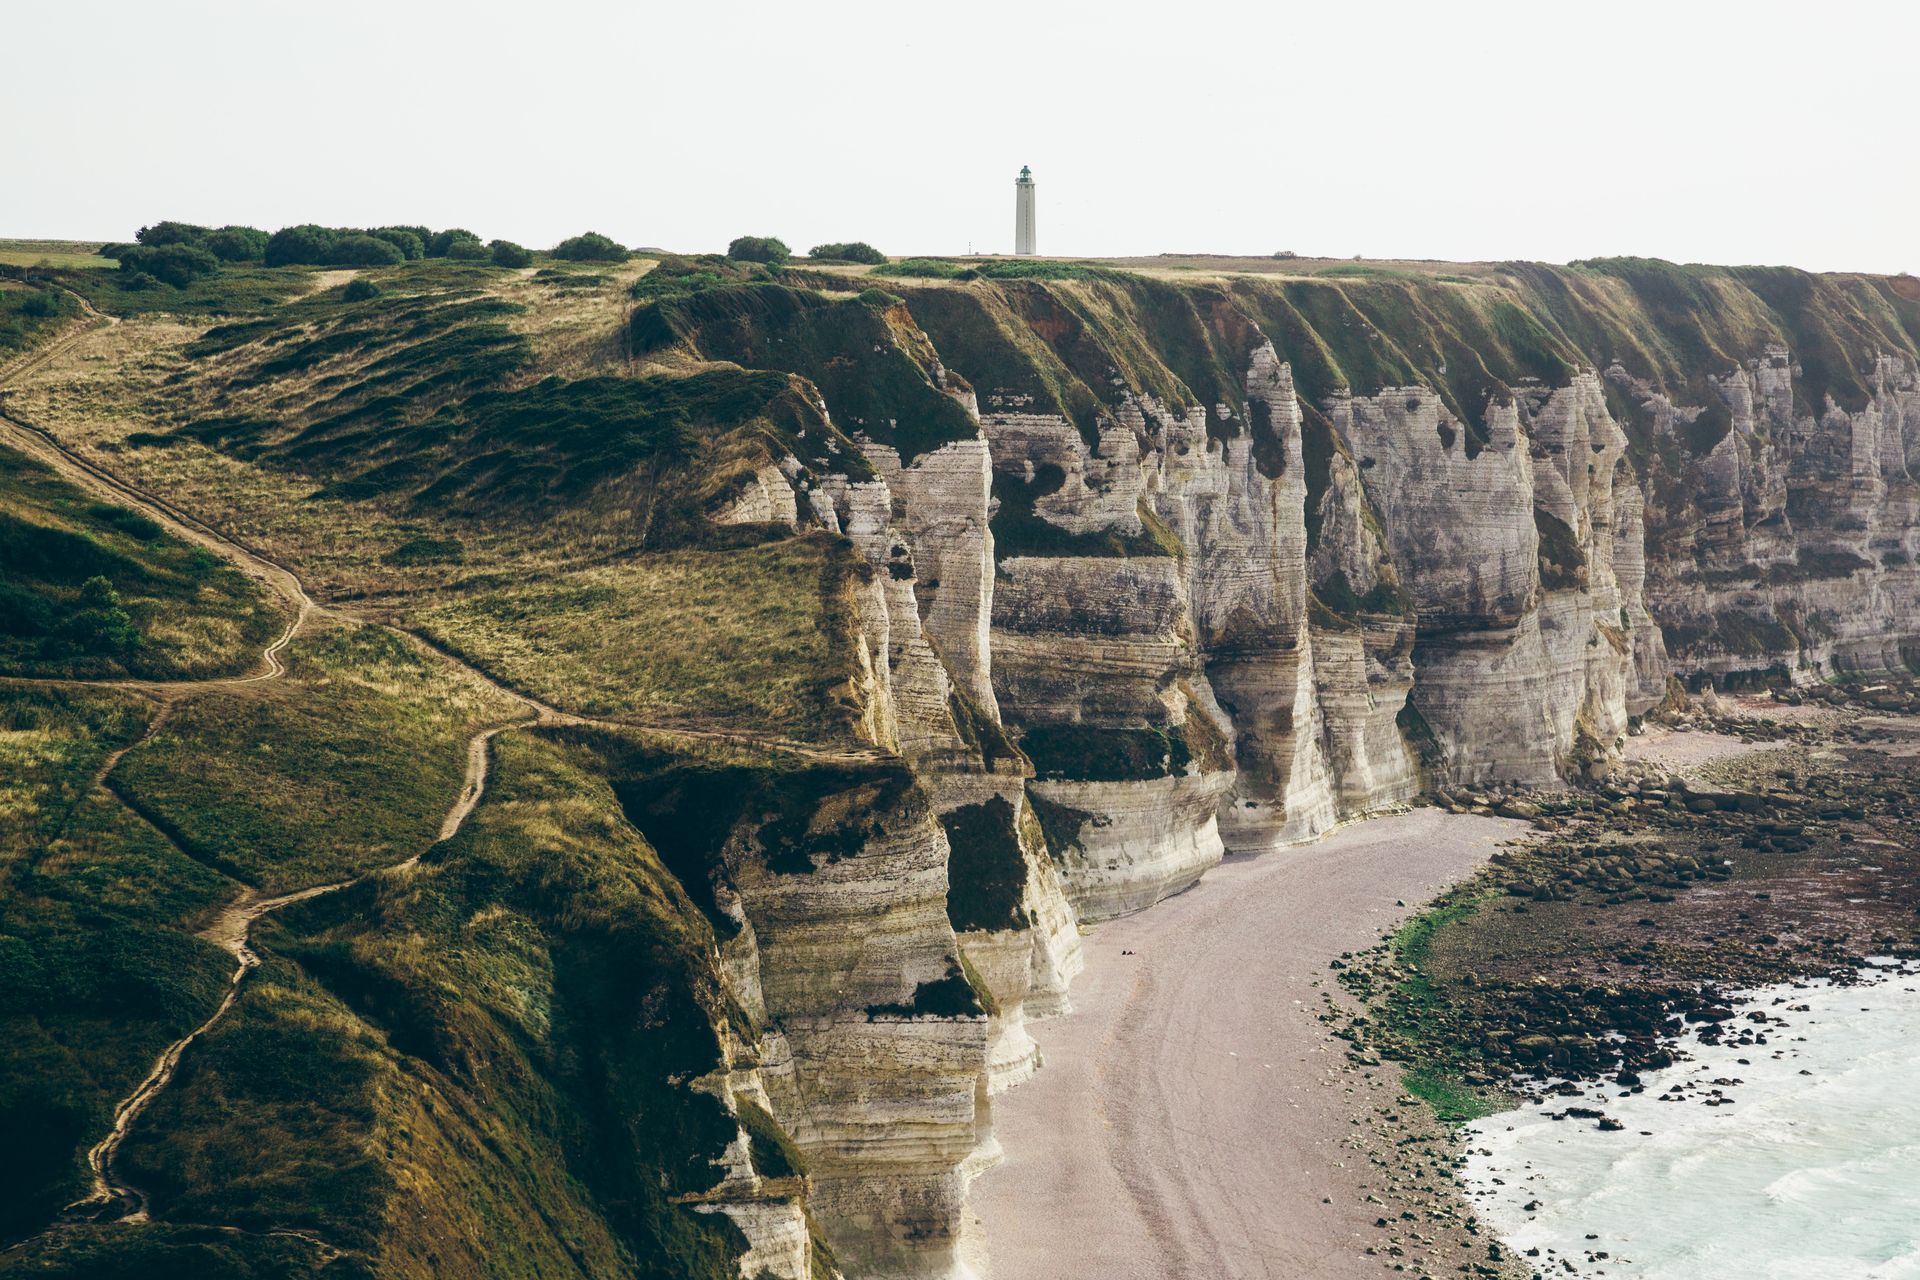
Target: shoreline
(1197,1114)
(1593,1182)
(1776,855)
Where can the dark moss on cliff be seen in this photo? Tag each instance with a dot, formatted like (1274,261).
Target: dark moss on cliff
(986,871)
(1563,564)
(951,996)
(1085,753)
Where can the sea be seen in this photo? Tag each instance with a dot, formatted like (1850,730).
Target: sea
(1796,1159)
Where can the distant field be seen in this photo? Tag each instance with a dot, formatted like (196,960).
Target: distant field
(59,253)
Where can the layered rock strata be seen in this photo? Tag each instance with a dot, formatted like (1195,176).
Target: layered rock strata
(1163,602)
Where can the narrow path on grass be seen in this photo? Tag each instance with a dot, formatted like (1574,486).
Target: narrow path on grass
(232,931)
(1194,1116)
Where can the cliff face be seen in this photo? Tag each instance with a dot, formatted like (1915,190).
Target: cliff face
(1230,564)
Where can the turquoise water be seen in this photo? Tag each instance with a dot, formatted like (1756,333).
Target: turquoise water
(1812,1172)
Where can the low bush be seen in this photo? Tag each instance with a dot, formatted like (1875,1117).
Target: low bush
(364,251)
(304,245)
(172,263)
(440,243)
(360,290)
(237,244)
(508,254)
(409,242)
(590,246)
(848,251)
(26,313)
(922,268)
(759,249)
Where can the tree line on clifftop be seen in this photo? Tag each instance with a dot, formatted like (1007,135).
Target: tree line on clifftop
(178,253)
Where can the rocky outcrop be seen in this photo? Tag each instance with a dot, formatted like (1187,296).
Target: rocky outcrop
(1789,543)
(879,1043)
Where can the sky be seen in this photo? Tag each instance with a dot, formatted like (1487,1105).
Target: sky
(1695,130)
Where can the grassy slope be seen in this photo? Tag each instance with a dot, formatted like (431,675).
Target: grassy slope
(98,971)
(470,1069)
(347,764)
(875,367)
(188,615)
(746,639)
(29,314)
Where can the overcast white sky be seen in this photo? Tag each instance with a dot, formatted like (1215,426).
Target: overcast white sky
(1689,129)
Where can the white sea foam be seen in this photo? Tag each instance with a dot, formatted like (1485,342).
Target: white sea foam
(1812,1172)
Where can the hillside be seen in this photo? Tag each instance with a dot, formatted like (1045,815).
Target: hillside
(639,736)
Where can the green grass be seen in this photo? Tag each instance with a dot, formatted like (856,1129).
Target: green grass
(98,971)
(1086,753)
(748,639)
(228,292)
(153,1251)
(29,314)
(1435,1073)
(82,255)
(181,612)
(1019,529)
(480,1068)
(679,441)
(348,763)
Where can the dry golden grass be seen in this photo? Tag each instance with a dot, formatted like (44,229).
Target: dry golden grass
(740,639)
(116,382)
(81,254)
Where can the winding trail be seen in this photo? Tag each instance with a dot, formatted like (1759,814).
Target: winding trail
(1194,1115)
(111,1198)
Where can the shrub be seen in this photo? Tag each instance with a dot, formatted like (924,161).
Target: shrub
(467,251)
(237,244)
(172,233)
(422,234)
(759,249)
(99,624)
(176,263)
(363,251)
(358,290)
(441,241)
(590,247)
(305,245)
(849,251)
(922,268)
(410,244)
(508,254)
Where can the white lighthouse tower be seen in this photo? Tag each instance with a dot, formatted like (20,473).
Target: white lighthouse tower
(1023,212)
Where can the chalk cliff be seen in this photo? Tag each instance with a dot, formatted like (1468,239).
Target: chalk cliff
(1216,566)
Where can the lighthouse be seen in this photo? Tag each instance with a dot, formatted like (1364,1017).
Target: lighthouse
(1023,212)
